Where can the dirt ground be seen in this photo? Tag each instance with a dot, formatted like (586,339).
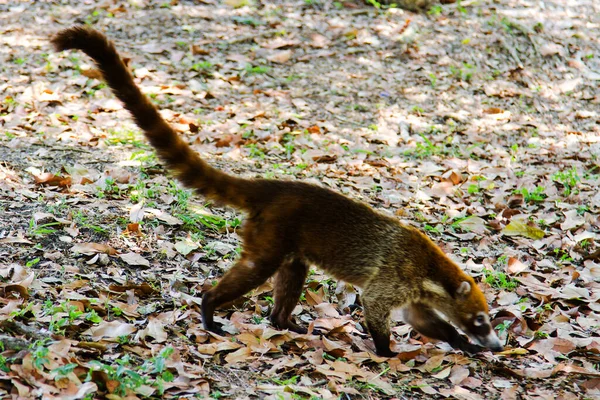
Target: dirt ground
(477,122)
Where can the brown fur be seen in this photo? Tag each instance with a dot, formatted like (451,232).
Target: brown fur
(291,225)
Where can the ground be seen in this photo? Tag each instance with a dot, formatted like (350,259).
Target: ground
(477,122)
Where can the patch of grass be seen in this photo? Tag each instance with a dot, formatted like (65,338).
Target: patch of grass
(36,230)
(247,21)
(464,73)
(141,191)
(91,91)
(500,280)
(84,221)
(39,354)
(94,17)
(509,26)
(255,151)
(537,195)
(562,255)
(503,326)
(374,3)
(425,149)
(110,190)
(22,312)
(125,137)
(569,179)
(152,372)
(541,335)
(145,158)
(4,362)
(432,80)
(435,10)
(251,70)
(417,110)
(358,107)
(64,371)
(202,66)
(473,189)
(32,262)
(432,229)
(582,209)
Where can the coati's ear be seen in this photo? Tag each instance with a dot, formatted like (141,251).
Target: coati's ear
(463,290)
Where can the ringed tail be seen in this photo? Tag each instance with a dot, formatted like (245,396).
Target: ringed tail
(178,156)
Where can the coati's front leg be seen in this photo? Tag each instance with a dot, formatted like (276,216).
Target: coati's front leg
(247,274)
(289,283)
(377,304)
(427,322)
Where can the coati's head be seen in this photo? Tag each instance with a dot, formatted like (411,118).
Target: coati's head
(471,314)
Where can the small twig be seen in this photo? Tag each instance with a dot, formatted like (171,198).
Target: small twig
(13,343)
(246,38)
(593,256)
(72,149)
(22,329)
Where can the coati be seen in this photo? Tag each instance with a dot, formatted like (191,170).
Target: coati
(292,225)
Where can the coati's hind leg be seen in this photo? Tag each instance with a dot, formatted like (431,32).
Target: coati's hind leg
(289,283)
(427,322)
(247,274)
(378,300)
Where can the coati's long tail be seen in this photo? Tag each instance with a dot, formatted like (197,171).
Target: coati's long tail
(187,165)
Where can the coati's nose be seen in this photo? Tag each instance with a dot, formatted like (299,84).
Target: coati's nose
(492,342)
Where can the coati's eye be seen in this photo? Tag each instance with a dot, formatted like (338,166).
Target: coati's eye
(479,320)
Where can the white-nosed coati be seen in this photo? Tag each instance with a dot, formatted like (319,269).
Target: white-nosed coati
(291,225)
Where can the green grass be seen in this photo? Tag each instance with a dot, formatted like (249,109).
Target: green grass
(202,66)
(500,280)
(36,230)
(535,196)
(125,137)
(250,69)
(569,179)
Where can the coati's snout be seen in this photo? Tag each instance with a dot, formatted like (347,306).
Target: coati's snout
(480,330)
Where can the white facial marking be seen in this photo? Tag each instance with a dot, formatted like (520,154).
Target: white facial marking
(481,319)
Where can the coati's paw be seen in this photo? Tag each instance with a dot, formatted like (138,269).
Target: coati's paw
(298,329)
(386,353)
(216,328)
(288,324)
(318,332)
(471,348)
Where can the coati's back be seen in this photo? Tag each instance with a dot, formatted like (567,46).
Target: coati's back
(340,235)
